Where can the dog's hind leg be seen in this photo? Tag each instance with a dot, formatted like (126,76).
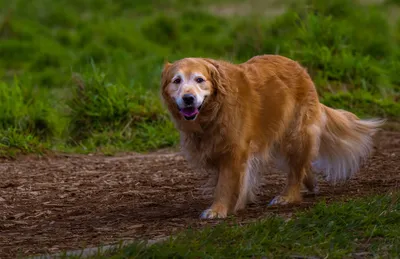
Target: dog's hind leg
(310,182)
(299,149)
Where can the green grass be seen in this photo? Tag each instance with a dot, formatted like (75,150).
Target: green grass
(83,76)
(368,226)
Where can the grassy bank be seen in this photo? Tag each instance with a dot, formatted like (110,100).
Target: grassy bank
(83,76)
(362,228)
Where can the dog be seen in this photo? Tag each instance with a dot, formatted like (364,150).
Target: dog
(234,118)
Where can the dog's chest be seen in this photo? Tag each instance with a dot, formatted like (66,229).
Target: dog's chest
(203,150)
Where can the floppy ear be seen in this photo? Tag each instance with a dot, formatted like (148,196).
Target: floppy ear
(218,76)
(166,67)
(164,73)
(166,64)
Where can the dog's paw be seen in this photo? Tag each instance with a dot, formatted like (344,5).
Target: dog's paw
(315,190)
(213,214)
(283,200)
(311,191)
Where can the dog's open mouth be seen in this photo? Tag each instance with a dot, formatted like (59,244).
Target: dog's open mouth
(190,113)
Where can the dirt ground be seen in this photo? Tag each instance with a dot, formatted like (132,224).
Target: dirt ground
(76,201)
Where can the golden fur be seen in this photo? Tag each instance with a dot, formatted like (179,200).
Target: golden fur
(263,109)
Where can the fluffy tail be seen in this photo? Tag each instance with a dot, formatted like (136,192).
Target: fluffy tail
(346,141)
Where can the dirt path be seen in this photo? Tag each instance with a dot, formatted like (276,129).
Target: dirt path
(71,202)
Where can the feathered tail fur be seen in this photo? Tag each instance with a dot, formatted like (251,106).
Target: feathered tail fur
(346,141)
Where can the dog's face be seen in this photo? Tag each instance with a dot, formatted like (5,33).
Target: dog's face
(186,86)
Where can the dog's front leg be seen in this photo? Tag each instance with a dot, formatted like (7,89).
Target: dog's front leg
(230,177)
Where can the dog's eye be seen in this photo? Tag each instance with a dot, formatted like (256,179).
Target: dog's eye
(199,80)
(177,81)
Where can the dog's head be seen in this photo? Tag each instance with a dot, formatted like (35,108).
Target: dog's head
(190,84)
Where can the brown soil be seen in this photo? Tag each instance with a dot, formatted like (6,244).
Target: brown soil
(70,202)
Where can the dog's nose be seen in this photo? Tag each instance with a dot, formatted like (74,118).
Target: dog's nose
(188,99)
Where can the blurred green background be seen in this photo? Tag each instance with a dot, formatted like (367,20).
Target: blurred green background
(83,76)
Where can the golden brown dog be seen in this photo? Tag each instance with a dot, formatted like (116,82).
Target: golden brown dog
(234,117)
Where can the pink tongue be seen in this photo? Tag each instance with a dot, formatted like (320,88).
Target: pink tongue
(189,112)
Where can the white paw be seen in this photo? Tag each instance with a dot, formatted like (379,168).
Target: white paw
(284,200)
(212,214)
(278,200)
